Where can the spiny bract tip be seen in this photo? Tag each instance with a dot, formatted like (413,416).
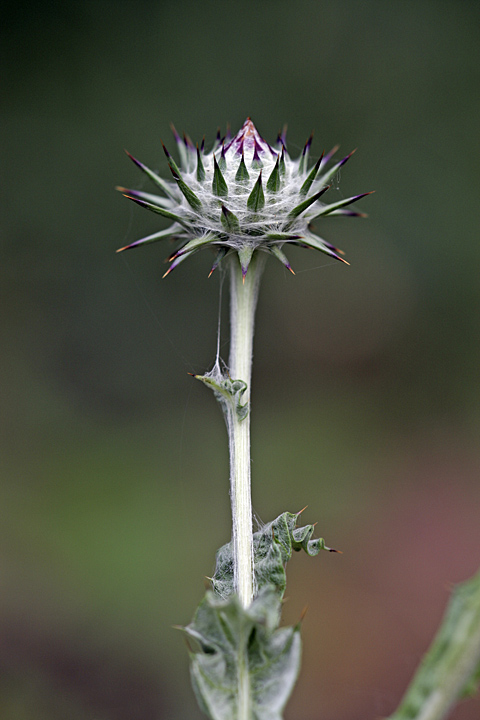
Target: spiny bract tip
(242,197)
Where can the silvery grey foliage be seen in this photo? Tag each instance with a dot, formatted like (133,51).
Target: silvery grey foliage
(226,637)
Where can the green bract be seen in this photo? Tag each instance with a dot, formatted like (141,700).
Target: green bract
(242,196)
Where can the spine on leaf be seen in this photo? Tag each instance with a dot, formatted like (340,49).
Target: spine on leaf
(243,664)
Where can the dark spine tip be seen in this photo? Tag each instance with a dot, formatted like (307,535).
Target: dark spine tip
(282,135)
(134,159)
(177,137)
(308,144)
(258,147)
(188,142)
(347,157)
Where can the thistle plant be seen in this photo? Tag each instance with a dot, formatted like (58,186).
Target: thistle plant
(245,199)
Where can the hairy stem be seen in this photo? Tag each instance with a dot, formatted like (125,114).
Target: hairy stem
(243,301)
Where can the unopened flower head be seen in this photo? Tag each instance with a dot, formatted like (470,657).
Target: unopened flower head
(243,196)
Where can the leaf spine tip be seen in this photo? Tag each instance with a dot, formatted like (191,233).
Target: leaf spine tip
(188,141)
(308,144)
(175,133)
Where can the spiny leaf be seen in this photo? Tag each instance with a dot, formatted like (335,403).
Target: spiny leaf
(222,251)
(299,209)
(310,178)
(241,655)
(233,648)
(219,186)
(245,254)
(317,243)
(280,255)
(200,168)
(217,141)
(326,177)
(272,548)
(196,244)
(282,137)
(329,155)
(273,182)
(347,213)
(188,143)
(240,658)
(154,199)
(282,164)
(176,262)
(186,191)
(303,162)
(327,209)
(182,151)
(257,163)
(229,220)
(227,391)
(286,237)
(242,175)
(222,162)
(160,211)
(159,182)
(170,159)
(152,238)
(256,199)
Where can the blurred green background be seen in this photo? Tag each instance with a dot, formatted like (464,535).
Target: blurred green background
(113,495)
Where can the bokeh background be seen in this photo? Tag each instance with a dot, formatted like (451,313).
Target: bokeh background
(113,495)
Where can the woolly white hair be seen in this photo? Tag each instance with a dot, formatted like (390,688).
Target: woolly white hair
(218,198)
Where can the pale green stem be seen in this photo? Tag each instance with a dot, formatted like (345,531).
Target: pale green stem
(243,301)
(244,684)
(451,661)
